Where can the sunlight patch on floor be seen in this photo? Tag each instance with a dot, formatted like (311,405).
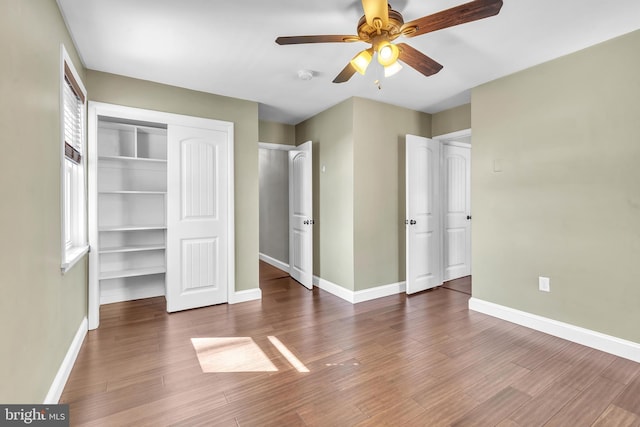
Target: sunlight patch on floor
(286,353)
(231,354)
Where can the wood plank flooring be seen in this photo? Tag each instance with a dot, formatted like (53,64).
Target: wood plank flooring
(462,284)
(423,360)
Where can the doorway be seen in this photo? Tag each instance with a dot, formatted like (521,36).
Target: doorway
(439,216)
(286,224)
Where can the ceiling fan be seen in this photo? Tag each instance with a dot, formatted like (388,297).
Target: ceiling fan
(381,25)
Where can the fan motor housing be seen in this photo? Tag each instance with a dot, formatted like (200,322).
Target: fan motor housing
(367,33)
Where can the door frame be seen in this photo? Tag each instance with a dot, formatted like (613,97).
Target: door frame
(96,109)
(264,257)
(451,139)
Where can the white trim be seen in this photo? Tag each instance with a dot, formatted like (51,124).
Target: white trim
(74,255)
(607,343)
(455,144)
(131,293)
(243,296)
(104,109)
(93,297)
(60,380)
(80,246)
(334,289)
(272,146)
(453,135)
(379,292)
(274,262)
(231,217)
(362,295)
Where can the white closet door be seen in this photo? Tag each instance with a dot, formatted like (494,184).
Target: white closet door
(423,269)
(197,218)
(301,215)
(457,208)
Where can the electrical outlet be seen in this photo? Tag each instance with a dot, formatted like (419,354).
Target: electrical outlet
(543,284)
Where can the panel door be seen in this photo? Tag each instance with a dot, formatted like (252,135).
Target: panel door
(301,215)
(423,233)
(197,218)
(457,212)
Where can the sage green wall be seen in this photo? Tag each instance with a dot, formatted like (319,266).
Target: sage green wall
(452,120)
(130,92)
(379,132)
(276,133)
(40,308)
(359,198)
(567,202)
(332,134)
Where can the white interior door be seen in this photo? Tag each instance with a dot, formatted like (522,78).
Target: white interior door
(457,211)
(301,215)
(197,217)
(423,232)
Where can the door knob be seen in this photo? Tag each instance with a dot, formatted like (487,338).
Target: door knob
(412,222)
(468,217)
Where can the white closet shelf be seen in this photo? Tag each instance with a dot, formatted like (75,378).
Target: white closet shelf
(132,227)
(132,248)
(132,192)
(133,272)
(134,159)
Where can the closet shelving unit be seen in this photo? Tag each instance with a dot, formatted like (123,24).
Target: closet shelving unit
(132,197)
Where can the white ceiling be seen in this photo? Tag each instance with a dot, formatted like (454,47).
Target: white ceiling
(228,48)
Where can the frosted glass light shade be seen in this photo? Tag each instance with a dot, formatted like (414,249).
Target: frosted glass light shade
(361,61)
(392,69)
(387,53)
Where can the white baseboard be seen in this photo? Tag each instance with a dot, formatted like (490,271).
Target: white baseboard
(379,292)
(128,293)
(607,343)
(244,296)
(334,289)
(362,295)
(55,391)
(274,262)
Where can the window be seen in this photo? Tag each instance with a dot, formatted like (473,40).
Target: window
(73,164)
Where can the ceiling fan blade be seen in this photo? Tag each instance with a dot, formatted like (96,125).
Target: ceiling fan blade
(345,74)
(376,9)
(468,12)
(418,60)
(317,39)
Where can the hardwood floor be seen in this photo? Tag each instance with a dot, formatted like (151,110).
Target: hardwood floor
(423,360)
(462,284)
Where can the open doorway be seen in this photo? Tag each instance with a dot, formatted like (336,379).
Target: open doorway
(286,223)
(438,197)
(273,177)
(456,210)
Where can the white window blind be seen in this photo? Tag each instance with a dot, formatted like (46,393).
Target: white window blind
(73,122)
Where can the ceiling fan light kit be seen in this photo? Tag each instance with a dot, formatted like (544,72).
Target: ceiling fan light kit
(387,53)
(362,60)
(381,25)
(392,69)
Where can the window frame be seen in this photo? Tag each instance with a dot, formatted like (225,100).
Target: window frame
(73,185)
